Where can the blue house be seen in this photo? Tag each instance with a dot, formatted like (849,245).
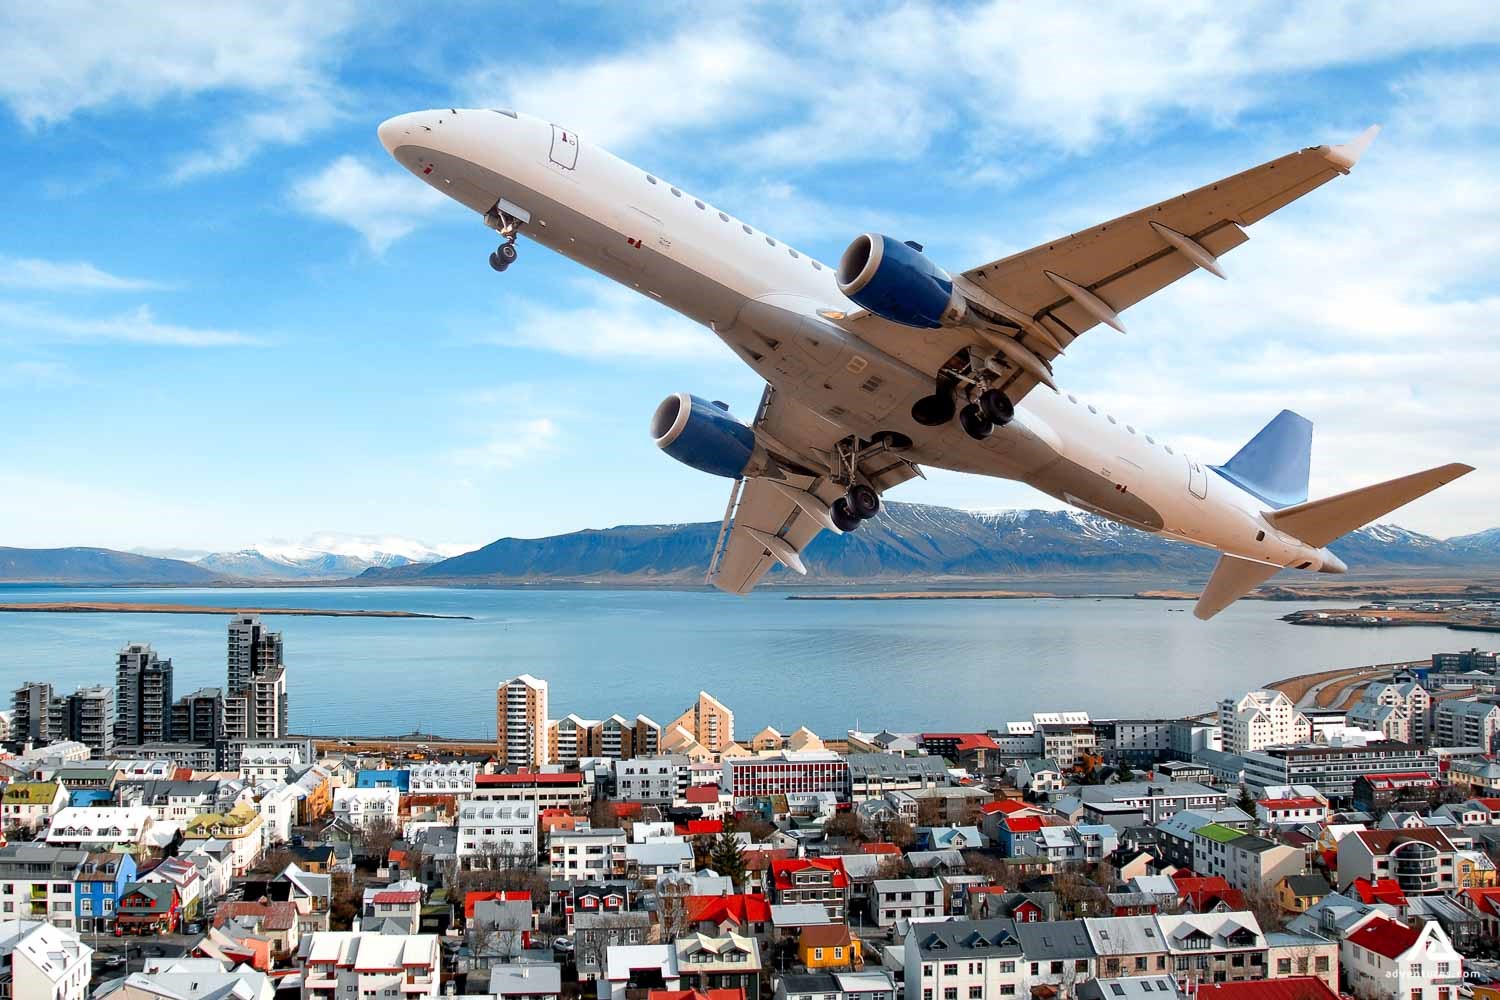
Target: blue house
(99,884)
(397,778)
(90,797)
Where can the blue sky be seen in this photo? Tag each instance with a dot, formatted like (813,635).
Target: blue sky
(226,317)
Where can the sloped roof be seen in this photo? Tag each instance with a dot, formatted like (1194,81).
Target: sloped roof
(1385,937)
(1293,988)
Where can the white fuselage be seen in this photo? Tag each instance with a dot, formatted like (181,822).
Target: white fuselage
(762,298)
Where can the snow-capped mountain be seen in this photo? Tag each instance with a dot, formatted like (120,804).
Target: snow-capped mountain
(324,557)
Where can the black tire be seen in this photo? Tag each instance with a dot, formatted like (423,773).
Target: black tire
(497,263)
(842,518)
(974,423)
(933,411)
(507,252)
(864,502)
(997,407)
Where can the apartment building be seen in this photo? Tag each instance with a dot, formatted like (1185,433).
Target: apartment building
(1331,770)
(366,808)
(198,717)
(100,828)
(1423,861)
(1466,722)
(340,964)
(43,961)
(656,780)
(588,855)
(441,778)
(545,790)
(906,899)
(871,775)
(812,880)
(496,834)
(521,728)
(30,721)
(143,695)
(1248,862)
(963,959)
(1260,719)
(36,882)
(28,806)
(707,722)
(1222,947)
(786,773)
(88,716)
(1149,801)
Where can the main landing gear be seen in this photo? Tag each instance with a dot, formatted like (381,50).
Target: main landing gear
(860,501)
(859,504)
(991,408)
(507,226)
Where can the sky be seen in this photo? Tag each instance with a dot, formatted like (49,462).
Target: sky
(227,317)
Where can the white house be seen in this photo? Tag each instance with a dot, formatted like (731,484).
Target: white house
(99,828)
(906,899)
(623,961)
(44,961)
(259,764)
(342,964)
(30,805)
(580,855)
(496,830)
(958,959)
(1384,958)
(438,778)
(278,809)
(365,808)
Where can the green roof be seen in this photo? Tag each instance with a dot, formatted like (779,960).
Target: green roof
(1219,833)
(31,792)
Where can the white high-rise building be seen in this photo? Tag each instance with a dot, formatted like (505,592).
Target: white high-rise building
(1261,719)
(521,722)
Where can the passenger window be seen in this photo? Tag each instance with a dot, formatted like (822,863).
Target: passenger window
(1150,439)
(1169,449)
(1130,428)
(723,217)
(1093,408)
(651,179)
(792,252)
(816,265)
(747,229)
(1109,418)
(1072,398)
(676,193)
(770,241)
(698,203)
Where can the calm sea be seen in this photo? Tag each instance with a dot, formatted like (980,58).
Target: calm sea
(829,665)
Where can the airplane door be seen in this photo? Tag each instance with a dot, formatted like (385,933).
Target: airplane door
(1197,480)
(564,148)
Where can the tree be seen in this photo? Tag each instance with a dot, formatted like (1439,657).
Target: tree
(375,838)
(929,812)
(1261,900)
(671,912)
(344,905)
(726,858)
(846,825)
(1124,773)
(898,831)
(602,815)
(758,829)
(892,866)
(1246,801)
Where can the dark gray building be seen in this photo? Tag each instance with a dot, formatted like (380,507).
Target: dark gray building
(143,695)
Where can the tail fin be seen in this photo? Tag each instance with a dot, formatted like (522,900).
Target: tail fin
(1273,466)
(1233,578)
(1319,522)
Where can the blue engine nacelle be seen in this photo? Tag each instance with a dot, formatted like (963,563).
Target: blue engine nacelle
(702,435)
(896,281)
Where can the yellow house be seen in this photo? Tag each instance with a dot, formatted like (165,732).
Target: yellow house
(829,946)
(1475,870)
(1299,893)
(238,830)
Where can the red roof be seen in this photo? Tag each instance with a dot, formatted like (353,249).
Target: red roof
(700,827)
(1486,900)
(403,897)
(783,870)
(478,896)
(734,994)
(1304,802)
(530,778)
(1293,988)
(745,908)
(1023,824)
(1381,890)
(699,795)
(627,809)
(879,847)
(964,741)
(1203,893)
(1007,806)
(1493,805)
(1403,777)
(1385,937)
(759,861)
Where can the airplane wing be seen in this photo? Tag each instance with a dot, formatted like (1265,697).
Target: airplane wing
(1045,297)
(775,514)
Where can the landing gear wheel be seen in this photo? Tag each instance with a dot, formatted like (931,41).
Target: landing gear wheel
(934,410)
(507,251)
(996,407)
(499,263)
(842,518)
(974,423)
(863,502)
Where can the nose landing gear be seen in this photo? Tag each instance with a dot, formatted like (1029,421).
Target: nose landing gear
(506,225)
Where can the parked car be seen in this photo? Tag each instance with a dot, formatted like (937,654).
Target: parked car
(193,928)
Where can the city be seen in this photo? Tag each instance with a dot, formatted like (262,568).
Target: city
(1335,834)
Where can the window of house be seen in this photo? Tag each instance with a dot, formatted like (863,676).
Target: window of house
(950,969)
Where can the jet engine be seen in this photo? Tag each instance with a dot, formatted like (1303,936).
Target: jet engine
(703,435)
(896,281)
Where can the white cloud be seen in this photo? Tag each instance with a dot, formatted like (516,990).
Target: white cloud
(64,276)
(606,320)
(36,373)
(381,205)
(509,443)
(138,326)
(58,59)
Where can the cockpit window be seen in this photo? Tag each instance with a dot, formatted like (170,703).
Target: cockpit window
(504,111)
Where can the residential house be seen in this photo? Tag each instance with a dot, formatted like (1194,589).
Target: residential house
(1058,955)
(1294,955)
(170,801)
(100,828)
(1396,791)
(1127,946)
(906,899)
(952,960)
(395,908)
(657,857)
(812,880)
(275,922)
(597,935)
(632,967)
(872,984)
(239,830)
(1214,947)
(29,806)
(170,978)
(743,913)
(583,855)
(1292,811)
(496,834)
(364,809)
(1422,861)
(829,946)
(1384,958)
(1299,893)
(1248,862)
(39,960)
(717,963)
(184,876)
(339,964)
(97,888)
(148,908)
(37,882)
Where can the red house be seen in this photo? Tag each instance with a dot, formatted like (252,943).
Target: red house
(148,908)
(812,880)
(745,913)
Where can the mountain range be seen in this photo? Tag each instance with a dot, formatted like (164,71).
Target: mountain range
(906,543)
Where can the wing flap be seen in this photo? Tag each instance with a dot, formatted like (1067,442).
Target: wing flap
(1232,579)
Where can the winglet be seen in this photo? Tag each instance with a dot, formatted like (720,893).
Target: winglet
(1345,155)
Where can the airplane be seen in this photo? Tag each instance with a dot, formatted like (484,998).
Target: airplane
(885,363)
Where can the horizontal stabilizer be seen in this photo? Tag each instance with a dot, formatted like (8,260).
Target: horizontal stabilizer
(1319,522)
(1233,578)
(1274,465)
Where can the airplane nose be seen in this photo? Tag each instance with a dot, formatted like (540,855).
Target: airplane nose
(398,131)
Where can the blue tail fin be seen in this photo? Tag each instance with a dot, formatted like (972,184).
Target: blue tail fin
(1273,465)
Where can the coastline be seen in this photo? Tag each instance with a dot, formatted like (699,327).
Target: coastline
(126,608)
